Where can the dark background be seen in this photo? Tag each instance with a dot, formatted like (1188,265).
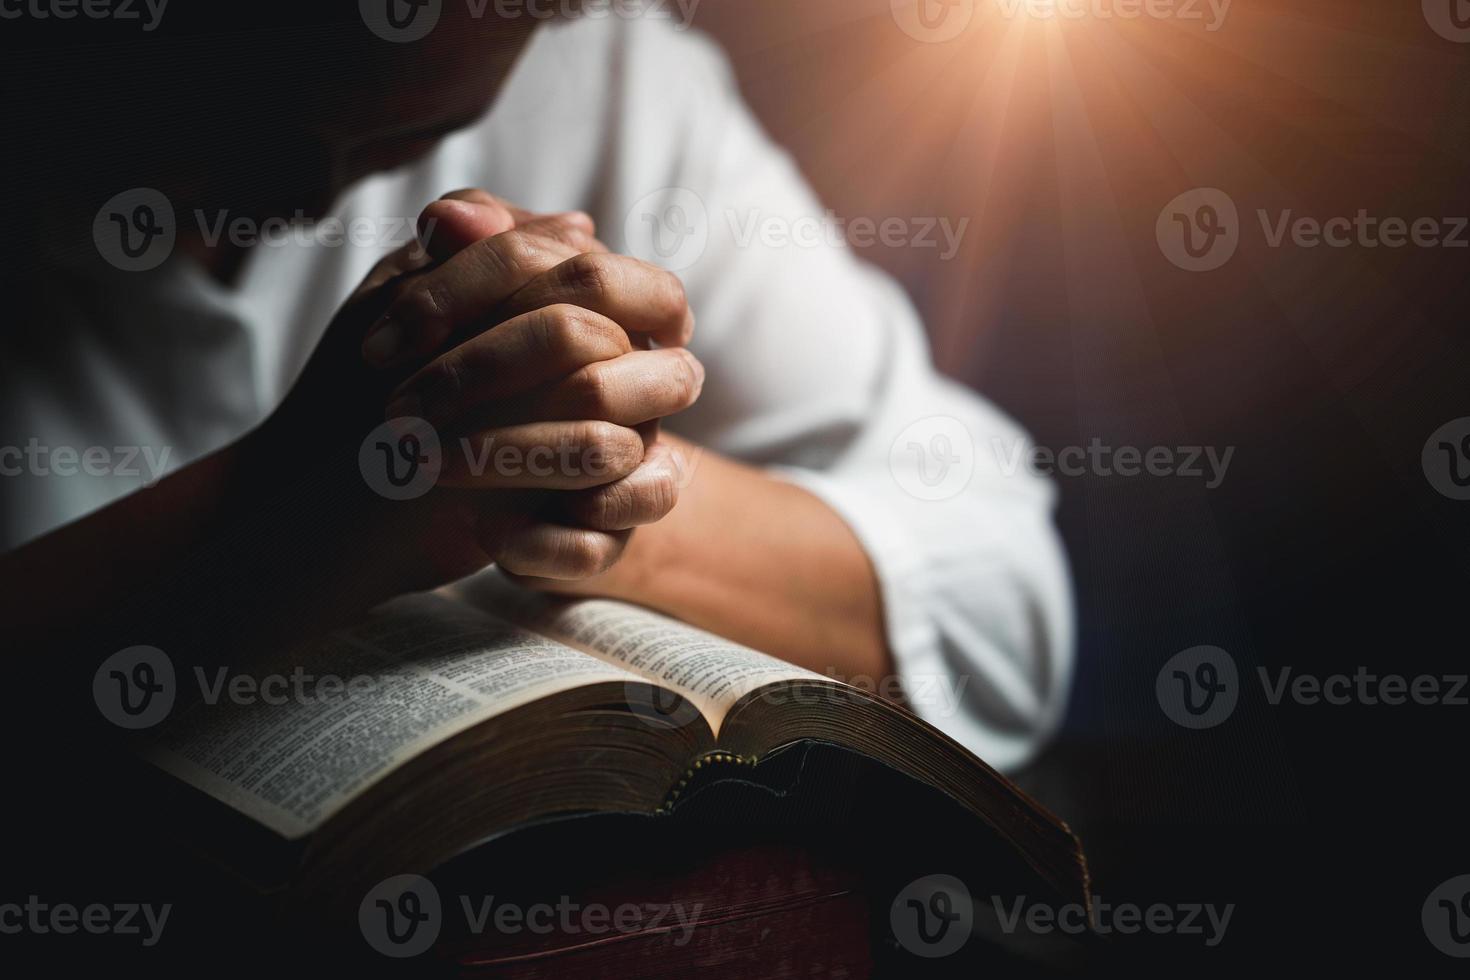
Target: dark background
(1328,369)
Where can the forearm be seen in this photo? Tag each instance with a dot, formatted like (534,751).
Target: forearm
(759,561)
(224,555)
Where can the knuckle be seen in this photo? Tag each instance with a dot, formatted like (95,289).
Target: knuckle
(514,252)
(422,304)
(562,327)
(662,493)
(579,239)
(446,379)
(585,555)
(591,394)
(612,506)
(612,450)
(589,273)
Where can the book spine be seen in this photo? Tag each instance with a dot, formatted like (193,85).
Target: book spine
(704,762)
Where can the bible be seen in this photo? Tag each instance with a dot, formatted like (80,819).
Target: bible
(448,719)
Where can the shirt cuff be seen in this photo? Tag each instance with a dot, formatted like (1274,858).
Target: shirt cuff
(933,686)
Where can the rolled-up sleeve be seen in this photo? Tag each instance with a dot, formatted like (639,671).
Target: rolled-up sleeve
(819,370)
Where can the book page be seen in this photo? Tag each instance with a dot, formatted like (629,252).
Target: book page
(290,742)
(709,671)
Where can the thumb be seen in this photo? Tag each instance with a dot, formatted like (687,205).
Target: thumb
(461,218)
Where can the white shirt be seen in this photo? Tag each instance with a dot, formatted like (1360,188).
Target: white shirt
(817,364)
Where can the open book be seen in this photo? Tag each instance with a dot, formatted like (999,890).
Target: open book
(449,718)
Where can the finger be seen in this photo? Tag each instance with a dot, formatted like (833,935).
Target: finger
(467,289)
(542,456)
(643,298)
(549,551)
(518,356)
(474,195)
(645,496)
(452,224)
(405,260)
(630,390)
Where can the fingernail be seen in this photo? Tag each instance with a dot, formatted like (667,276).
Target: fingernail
(698,369)
(383,342)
